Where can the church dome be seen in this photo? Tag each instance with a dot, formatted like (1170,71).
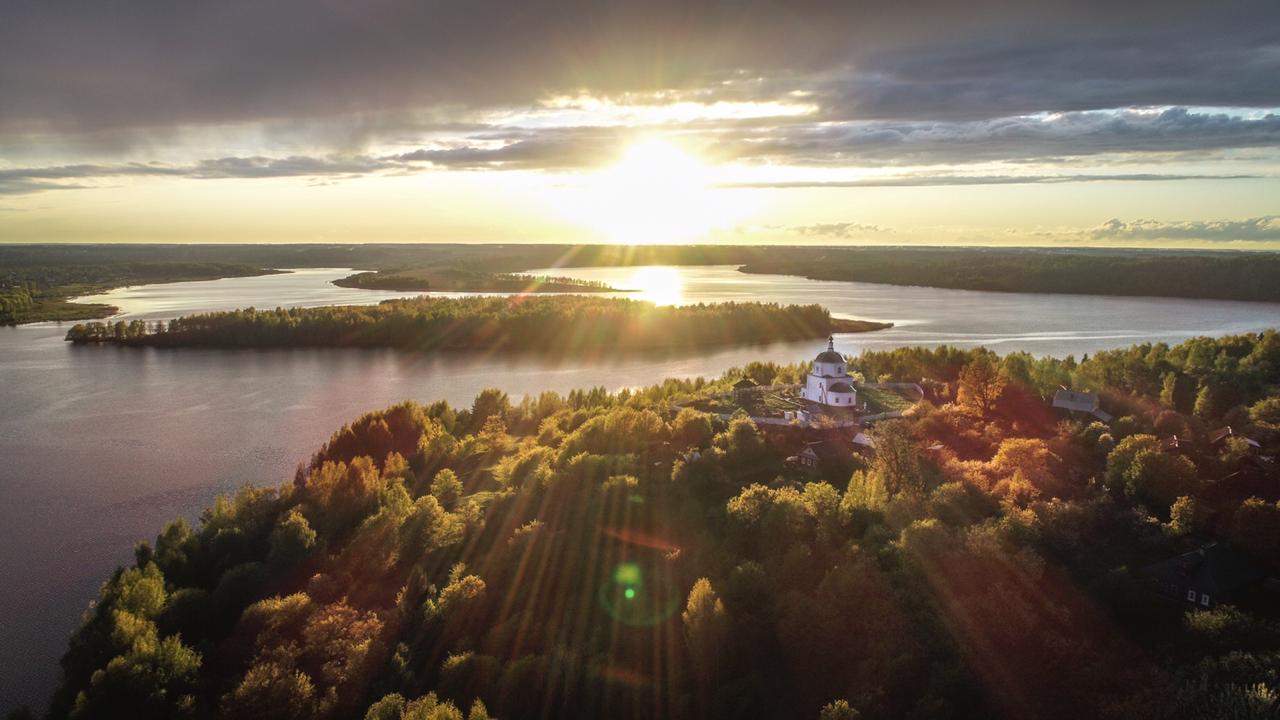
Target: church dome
(829,355)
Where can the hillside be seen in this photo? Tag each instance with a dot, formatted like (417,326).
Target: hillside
(565,557)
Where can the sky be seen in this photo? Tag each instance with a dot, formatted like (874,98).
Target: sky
(1000,122)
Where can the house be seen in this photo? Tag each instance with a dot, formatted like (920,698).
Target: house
(829,382)
(1219,436)
(816,453)
(1205,578)
(743,388)
(1081,402)
(864,442)
(1175,444)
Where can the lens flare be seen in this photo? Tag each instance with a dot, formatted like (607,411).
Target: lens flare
(633,596)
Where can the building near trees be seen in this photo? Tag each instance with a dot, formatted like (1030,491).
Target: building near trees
(1215,574)
(828,382)
(1081,402)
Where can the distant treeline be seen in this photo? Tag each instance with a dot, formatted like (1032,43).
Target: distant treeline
(1243,276)
(66,270)
(460,280)
(375,256)
(35,292)
(559,325)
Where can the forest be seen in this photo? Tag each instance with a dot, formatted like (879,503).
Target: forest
(566,325)
(1222,276)
(613,554)
(448,279)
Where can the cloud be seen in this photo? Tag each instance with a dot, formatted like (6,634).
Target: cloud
(1256,229)
(839,231)
(94,69)
(1059,135)
(17,181)
(963,180)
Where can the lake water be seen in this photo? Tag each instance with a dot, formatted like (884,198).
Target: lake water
(100,446)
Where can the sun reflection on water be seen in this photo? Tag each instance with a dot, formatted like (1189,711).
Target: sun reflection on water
(658,285)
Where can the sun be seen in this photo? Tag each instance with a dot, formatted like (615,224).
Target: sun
(656,193)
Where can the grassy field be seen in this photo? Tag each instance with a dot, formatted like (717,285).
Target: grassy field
(880,399)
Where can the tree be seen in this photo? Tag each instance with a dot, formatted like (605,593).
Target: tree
(1208,405)
(706,628)
(691,429)
(838,710)
(447,489)
(1160,477)
(1176,392)
(488,403)
(272,689)
(1185,515)
(1266,413)
(745,448)
(897,461)
(1122,456)
(291,540)
(152,678)
(1255,528)
(981,385)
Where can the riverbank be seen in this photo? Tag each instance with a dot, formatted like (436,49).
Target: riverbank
(43,293)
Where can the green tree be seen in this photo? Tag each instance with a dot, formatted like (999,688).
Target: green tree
(1208,405)
(1160,477)
(1266,413)
(291,540)
(446,488)
(1122,457)
(153,678)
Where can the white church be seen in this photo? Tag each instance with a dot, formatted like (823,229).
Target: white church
(829,382)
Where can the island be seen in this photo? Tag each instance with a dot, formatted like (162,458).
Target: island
(560,325)
(1000,551)
(452,279)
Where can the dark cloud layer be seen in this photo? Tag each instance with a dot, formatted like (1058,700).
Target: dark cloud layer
(94,65)
(1008,138)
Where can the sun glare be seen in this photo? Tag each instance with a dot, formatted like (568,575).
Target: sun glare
(657,193)
(658,285)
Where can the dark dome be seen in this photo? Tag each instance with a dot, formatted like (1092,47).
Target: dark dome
(840,388)
(829,356)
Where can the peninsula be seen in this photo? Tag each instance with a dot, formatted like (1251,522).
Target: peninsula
(621,554)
